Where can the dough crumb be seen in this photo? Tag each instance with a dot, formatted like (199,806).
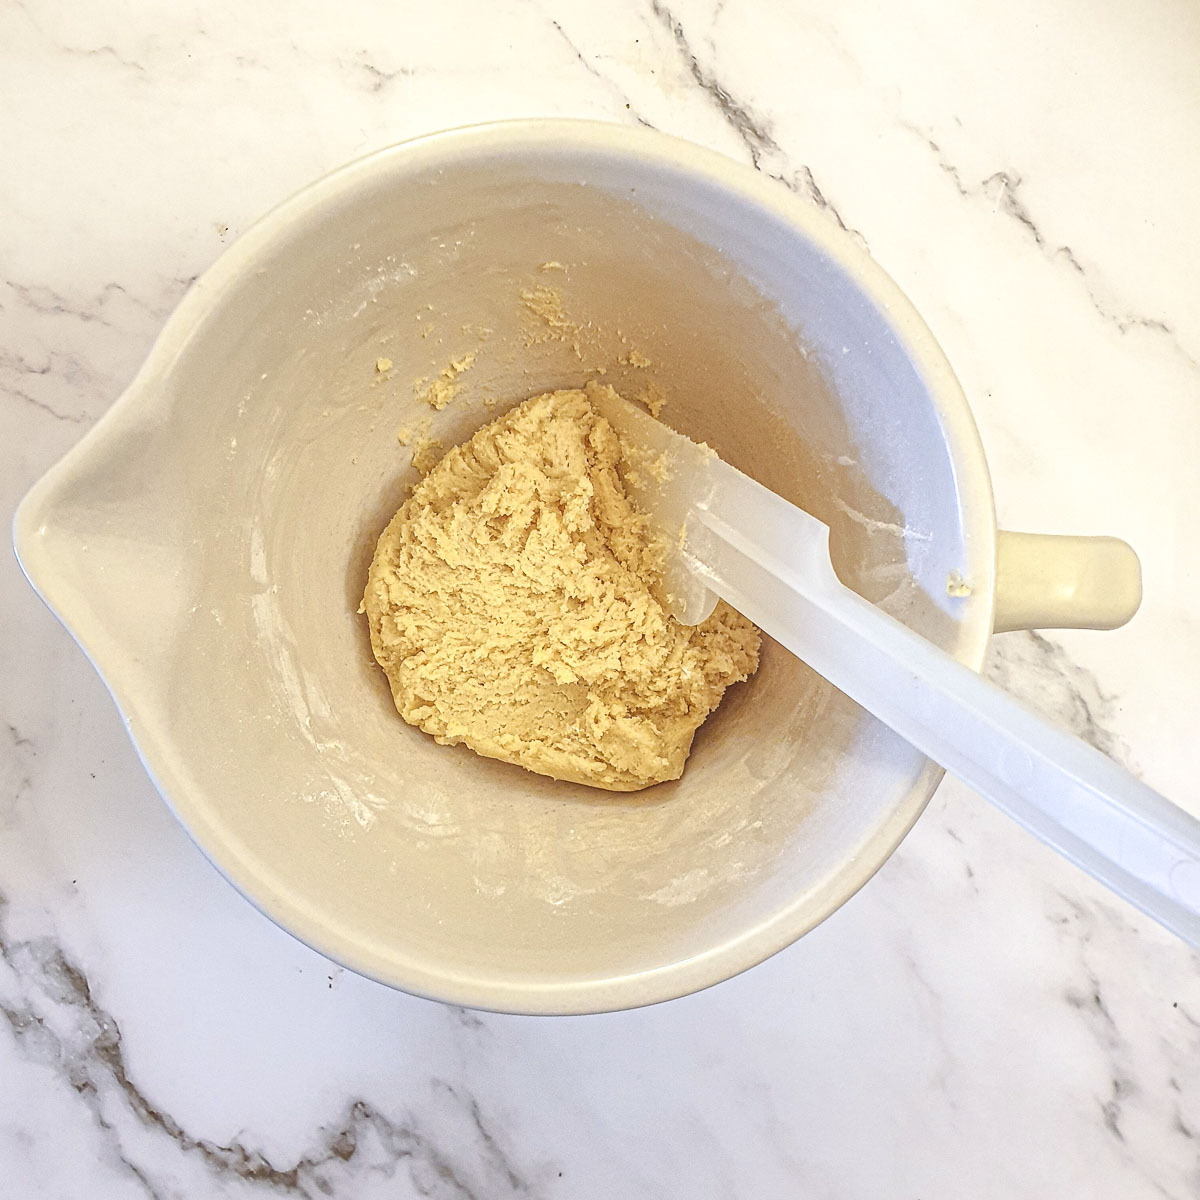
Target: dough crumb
(546,305)
(638,462)
(439,391)
(382,365)
(654,400)
(510,605)
(957,586)
(426,454)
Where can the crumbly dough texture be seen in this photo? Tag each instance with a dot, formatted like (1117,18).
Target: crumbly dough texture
(510,605)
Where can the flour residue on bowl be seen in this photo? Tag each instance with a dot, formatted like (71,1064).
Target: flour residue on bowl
(684,889)
(345,796)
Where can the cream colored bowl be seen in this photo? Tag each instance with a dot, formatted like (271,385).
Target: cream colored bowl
(207,545)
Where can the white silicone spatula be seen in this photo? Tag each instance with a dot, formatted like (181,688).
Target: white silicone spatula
(731,537)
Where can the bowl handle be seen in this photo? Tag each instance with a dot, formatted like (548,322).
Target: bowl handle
(1052,581)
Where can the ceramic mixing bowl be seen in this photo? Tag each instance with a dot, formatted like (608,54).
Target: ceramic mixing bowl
(207,544)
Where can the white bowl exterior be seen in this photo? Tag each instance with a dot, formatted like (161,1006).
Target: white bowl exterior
(207,541)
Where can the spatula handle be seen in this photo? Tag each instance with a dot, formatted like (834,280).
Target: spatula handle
(1066,792)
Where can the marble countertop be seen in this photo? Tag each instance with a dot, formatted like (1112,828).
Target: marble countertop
(981,1020)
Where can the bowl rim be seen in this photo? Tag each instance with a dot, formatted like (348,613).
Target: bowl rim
(646,148)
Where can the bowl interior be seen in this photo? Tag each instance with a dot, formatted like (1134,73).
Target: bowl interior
(208,544)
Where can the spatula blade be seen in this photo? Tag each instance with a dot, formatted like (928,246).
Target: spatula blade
(668,475)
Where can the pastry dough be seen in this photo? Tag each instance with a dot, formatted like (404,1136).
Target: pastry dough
(510,605)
